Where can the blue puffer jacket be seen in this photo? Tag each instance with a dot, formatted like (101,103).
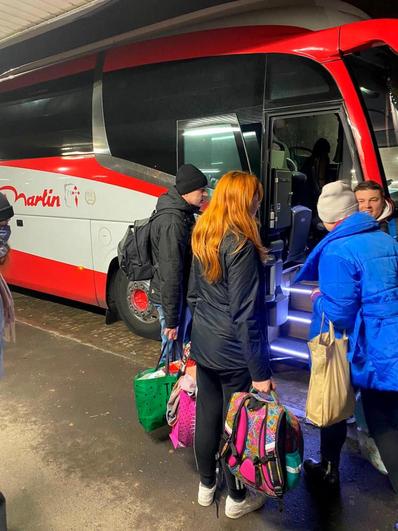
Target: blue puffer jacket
(357,268)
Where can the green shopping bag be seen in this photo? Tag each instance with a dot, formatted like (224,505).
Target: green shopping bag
(152,395)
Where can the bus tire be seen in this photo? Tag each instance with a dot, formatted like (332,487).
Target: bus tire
(134,307)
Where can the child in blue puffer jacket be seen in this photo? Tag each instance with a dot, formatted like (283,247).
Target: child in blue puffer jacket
(357,268)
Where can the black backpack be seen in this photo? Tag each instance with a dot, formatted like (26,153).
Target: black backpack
(134,249)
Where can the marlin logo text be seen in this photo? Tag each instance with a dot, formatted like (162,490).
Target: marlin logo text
(46,199)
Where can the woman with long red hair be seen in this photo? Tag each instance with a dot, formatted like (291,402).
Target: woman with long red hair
(229,330)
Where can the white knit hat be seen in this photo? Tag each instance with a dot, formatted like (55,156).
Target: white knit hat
(336,202)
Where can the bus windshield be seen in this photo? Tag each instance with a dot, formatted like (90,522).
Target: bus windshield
(375,72)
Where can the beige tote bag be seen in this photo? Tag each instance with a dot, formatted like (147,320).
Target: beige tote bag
(330,394)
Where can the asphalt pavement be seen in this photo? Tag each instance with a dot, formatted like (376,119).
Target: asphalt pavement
(73,456)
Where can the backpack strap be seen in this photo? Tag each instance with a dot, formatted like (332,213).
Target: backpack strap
(180,213)
(227,440)
(270,458)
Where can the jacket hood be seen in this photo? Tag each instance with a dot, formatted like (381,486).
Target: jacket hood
(355,224)
(172,199)
(387,212)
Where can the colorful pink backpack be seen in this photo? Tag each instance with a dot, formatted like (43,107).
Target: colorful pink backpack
(262,443)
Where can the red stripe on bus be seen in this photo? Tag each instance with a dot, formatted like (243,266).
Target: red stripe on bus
(86,168)
(322,46)
(223,41)
(359,35)
(358,125)
(54,277)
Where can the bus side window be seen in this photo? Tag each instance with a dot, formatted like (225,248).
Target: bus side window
(142,106)
(214,145)
(51,118)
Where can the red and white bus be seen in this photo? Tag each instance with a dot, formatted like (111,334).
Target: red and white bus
(87,146)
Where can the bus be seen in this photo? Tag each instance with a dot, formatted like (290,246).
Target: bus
(87,145)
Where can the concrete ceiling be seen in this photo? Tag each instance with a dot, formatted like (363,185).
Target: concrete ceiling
(24,19)
(34,29)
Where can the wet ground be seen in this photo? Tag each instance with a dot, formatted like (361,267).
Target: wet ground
(73,457)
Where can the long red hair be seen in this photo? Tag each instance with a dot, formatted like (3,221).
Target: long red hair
(229,211)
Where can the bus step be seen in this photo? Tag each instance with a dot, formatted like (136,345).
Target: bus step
(297,324)
(293,348)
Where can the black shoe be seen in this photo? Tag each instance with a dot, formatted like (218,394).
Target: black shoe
(324,474)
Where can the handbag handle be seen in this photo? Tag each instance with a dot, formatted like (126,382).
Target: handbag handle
(273,395)
(331,333)
(167,356)
(184,361)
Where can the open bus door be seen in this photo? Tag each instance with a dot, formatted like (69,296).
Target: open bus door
(306,149)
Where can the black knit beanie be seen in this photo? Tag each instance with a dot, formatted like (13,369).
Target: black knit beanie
(189,178)
(6,210)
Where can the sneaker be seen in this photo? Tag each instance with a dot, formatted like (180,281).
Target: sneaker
(236,509)
(206,495)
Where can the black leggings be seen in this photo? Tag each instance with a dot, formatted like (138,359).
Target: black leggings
(214,392)
(381,413)
(332,440)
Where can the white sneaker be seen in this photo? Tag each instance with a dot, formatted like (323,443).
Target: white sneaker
(206,495)
(252,502)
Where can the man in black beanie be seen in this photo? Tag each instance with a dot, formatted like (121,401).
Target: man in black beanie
(171,249)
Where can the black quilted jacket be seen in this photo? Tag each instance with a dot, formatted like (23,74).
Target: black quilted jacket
(171,254)
(229,329)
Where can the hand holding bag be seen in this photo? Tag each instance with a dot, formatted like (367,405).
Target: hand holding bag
(152,389)
(330,396)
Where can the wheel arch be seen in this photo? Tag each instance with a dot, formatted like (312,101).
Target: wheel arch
(112,270)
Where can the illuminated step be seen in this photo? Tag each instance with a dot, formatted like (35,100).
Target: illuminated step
(300,296)
(288,347)
(297,325)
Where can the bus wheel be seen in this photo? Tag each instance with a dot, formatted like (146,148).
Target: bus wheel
(134,307)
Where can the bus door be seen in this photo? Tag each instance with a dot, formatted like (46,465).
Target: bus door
(306,149)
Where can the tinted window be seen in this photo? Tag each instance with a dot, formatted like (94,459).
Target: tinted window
(294,79)
(214,145)
(48,119)
(142,105)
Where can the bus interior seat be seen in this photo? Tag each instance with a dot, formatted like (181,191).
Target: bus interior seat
(277,301)
(299,186)
(278,159)
(299,232)
(319,163)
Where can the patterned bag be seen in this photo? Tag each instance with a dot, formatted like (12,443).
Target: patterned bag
(181,408)
(183,430)
(262,443)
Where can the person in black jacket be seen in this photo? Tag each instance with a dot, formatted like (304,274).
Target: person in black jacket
(171,250)
(229,330)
